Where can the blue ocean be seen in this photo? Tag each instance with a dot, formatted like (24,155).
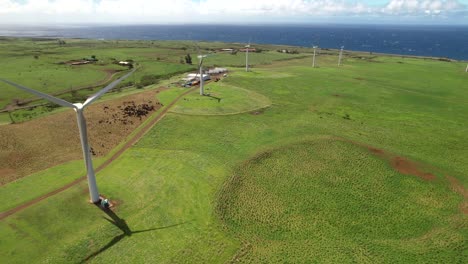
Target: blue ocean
(435,41)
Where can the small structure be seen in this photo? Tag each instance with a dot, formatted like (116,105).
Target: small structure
(81,62)
(194,79)
(217,70)
(227,50)
(124,63)
(247,49)
(196,76)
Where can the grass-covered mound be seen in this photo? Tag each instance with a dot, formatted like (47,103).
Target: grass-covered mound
(221,99)
(332,201)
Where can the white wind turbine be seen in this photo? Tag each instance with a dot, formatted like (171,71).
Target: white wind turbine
(466,70)
(341,56)
(247,47)
(313,60)
(79,108)
(200,67)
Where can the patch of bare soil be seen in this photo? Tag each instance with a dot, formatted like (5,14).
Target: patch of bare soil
(38,144)
(408,167)
(401,164)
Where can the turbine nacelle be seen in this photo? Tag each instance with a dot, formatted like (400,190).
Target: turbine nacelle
(78,106)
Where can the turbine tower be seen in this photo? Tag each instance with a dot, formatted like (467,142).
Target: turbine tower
(313,60)
(466,70)
(247,47)
(341,56)
(200,67)
(79,108)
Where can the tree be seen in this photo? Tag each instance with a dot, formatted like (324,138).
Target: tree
(188,59)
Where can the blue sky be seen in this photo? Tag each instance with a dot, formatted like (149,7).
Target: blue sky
(233,12)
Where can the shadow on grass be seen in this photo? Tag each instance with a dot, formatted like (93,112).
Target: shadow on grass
(214,97)
(126,231)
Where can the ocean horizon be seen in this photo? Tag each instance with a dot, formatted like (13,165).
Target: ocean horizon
(414,40)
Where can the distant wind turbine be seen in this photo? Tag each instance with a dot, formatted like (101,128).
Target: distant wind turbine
(341,56)
(313,60)
(247,48)
(79,108)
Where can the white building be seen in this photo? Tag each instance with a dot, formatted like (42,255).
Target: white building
(193,76)
(217,70)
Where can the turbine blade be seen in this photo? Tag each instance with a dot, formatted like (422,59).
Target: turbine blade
(96,96)
(40,94)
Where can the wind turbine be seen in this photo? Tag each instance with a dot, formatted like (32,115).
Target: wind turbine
(341,56)
(200,67)
(313,60)
(247,47)
(466,70)
(79,108)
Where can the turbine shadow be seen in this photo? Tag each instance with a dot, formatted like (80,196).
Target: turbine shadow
(214,97)
(121,224)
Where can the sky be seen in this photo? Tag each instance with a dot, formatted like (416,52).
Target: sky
(62,12)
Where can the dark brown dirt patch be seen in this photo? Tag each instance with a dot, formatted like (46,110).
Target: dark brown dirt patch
(376,151)
(408,167)
(401,164)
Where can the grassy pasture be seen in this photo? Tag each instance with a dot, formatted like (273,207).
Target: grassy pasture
(172,184)
(331,201)
(221,100)
(38,64)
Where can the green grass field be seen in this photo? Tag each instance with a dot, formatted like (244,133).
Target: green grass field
(331,201)
(289,183)
(39,64)
(221,99)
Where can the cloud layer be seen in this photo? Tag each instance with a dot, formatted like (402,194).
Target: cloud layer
(184,11)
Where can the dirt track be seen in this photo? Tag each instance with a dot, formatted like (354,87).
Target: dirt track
(127,145)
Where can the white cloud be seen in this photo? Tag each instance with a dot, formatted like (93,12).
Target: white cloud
(157,11)
(397,7)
